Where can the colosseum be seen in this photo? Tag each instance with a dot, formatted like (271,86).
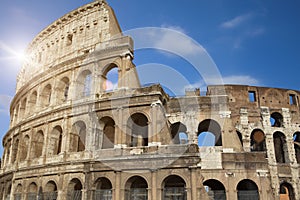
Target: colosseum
(71,137)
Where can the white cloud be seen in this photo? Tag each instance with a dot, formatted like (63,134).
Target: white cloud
(233,79)
(5,103)
(236,21)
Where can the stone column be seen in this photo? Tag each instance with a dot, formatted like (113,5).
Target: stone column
(154,185)
(117,195)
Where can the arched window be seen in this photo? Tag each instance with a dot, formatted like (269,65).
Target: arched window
(23,109)
(138,129)
(286,191)
(276,119)
(55,141)
(84,84)
(74,190)
(107,125)
(296,138)
(38,144)
(32,102)
(280,146)
(62,90)
(78,137)
(50,191)
(215,189)
(18,192)
(103,189)
(110,76)
(209,133)
(247,189)
(15,148)
(178,132)
(174,187)
(32,191)
(136,188)
(25,148)
(45,97)
(258,142)
(8,192)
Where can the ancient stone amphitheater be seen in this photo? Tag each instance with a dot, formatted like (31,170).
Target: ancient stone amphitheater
(72,137)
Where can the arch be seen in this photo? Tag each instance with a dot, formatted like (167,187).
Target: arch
(50,191)
(32,102)
(18,192)
(107,125)
(62,90)
(257,140)
(74,190)
(136,188)
(45,96)
(55,141)
(110,76)
(174,187)
(247,189)
(32,191)
(210,127)
(138,130)
(15,148)
(296,138)
(25,148)
(276,119)
(84,83)
(78,137)
(38,144)
(215,189)
(8,192)
(23,109)
(286,191)
(239,134)
(280,147)
(178,133)
(103,189)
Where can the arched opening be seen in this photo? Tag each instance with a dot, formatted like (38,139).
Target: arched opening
(296,139)
(54,148)
(103,189)
(215,189)
(32,102)
(280,147)
(62,90)
(16,114)
(38,144)
(247,189)
(74,190)
(174,187)
(45,97)
(18,192)
(286,192)
(50,191)
(25,148)
(84,84)
(209,133)
(15,148)
(7,192)
(32,191)
(111,76)
(178,133)
(78,137)
(276,119)
(258,142)
(23,109)
(240,137)
(108,129)
(136,188)
(138,126)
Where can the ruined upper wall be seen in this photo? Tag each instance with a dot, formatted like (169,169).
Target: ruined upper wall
(70,36)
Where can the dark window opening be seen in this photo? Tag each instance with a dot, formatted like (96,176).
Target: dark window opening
(292,99)
(276,119)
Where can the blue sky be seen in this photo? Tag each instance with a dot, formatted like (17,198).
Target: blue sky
(252,42)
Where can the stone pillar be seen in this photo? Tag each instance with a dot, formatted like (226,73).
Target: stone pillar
(154,185)
(193,174)
(117,192)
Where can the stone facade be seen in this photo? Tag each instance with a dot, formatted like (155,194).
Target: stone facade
(71,137)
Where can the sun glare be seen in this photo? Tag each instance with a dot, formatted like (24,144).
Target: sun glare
(12,53)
